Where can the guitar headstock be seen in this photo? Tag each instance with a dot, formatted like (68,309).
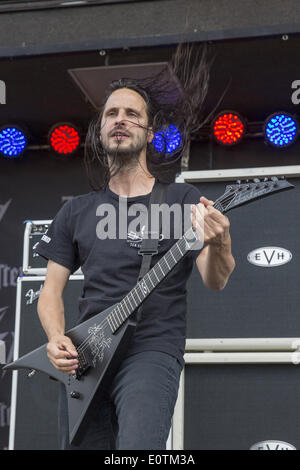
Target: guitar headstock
(244,192)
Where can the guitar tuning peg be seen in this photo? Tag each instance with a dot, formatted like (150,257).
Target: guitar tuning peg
(238,182)
(266,179)
(275,180)
(282,177)
(256,180)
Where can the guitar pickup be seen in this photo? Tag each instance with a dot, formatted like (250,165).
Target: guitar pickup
(83,364)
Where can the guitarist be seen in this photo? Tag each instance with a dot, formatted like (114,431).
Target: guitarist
(135,412)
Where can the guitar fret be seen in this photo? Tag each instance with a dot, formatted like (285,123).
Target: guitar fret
(121,313)
(187,244)
(112,318)
(167,262)
(141,290)
(121,307)
(173,256)
(133,299)
(148,287)
(127,297)
(148,274)
(129,312)
(135,290)
(179,248)
(109,322)
(161,269)
(156,275)
(117,319)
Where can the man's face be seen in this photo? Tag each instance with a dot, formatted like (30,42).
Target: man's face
(124,124)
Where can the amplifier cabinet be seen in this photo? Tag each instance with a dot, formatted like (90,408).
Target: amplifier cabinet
(33,422)
(238,401)
(33,263)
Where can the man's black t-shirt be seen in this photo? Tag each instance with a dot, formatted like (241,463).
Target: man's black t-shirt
(111,266)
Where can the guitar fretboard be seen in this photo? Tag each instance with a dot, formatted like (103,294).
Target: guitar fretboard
(154,276)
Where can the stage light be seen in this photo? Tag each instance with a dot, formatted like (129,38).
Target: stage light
(228,128)
(13,141)
(281,129)
(64,138)
(168,140)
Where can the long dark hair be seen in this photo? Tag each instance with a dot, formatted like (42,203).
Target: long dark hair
(174,96)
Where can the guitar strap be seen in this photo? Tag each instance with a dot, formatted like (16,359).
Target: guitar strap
(149,245)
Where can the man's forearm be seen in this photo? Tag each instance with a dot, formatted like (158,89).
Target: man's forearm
(215,264)
(51,313)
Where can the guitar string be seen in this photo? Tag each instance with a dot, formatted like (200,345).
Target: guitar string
(86,343)
(168,257)
(83,346)
(226,197)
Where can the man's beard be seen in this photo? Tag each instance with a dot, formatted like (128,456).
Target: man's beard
(121,158)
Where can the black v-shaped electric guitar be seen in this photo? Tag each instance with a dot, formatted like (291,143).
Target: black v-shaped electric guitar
(102,340)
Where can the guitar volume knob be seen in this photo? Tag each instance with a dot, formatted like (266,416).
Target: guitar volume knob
(74,394)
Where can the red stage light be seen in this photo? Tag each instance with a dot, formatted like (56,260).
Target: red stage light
(228,128)
(64,138)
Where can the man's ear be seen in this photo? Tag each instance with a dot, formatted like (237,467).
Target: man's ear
(150,135)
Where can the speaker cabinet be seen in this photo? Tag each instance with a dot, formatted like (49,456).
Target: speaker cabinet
(261,298)
(34,422)
(237,406)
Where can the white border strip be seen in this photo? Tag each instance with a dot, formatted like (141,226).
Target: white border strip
(13,405)
(242,344)
(43,271)
(26,246)
(2,352)
(239,358)
(236,173)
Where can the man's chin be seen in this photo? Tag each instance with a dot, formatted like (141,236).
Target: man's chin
(123,151)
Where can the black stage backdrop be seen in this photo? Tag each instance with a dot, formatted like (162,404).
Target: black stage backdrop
(33,188)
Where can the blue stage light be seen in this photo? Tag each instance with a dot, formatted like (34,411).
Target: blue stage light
(281,129)
(167,141)
(12,141)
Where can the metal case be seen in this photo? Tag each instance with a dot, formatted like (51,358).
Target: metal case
(33,263)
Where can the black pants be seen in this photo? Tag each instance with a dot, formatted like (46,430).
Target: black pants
(136,412)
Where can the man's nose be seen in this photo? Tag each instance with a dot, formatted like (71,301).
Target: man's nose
(120,119)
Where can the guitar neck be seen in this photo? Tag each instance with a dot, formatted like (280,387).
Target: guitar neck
(235,195)
(151,280)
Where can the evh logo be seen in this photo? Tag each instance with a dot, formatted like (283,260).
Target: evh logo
(33,295)
(272,445)
(269,256)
